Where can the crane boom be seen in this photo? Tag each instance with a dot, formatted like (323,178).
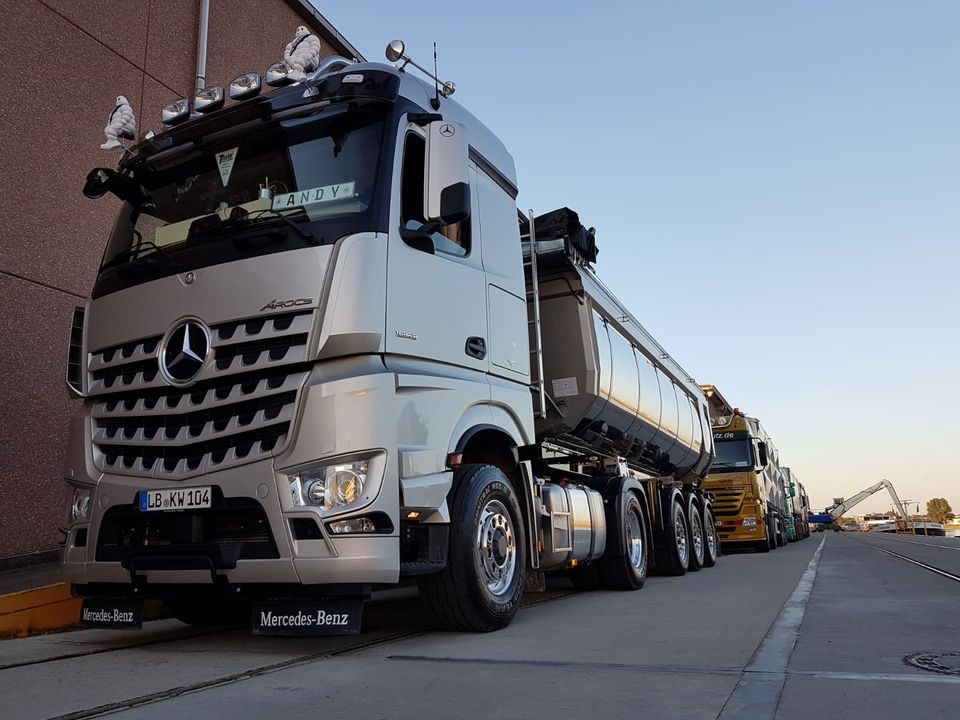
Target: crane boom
(840,508)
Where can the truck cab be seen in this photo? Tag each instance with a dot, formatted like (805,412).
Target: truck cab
(744,478)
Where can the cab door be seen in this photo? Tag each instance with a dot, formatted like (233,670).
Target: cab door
(436,301)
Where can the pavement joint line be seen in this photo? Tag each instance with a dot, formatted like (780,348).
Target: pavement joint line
(877,677)
(569,664)
(130,703)
(917,542)
(757,694)
(925,566)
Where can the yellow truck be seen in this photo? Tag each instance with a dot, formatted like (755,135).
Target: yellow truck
(744,479)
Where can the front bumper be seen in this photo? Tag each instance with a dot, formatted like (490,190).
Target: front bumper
(262,546)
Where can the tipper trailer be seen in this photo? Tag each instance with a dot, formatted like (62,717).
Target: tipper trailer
(325,354)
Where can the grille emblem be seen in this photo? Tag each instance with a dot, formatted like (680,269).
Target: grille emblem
(185,351)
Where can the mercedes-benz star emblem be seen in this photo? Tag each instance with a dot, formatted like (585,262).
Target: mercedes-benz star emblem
(447,130)
(186,349)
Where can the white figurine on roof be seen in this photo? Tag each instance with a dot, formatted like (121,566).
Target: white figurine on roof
(121,125)
(302,53)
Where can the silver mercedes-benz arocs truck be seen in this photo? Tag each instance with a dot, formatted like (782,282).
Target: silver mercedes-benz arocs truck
(324,353)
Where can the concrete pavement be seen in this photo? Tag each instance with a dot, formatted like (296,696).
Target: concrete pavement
(676,649)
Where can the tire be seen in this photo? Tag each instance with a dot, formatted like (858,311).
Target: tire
(711,547)
(628,571)
(696,539)
(676,553)
(209,612)
(772,534)
(480,588)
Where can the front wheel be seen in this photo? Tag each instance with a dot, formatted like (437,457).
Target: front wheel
(627,571)
(481,586)
(712,544)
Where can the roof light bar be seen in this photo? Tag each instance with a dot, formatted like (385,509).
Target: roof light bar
(245,86)
(175,112)
(208,99)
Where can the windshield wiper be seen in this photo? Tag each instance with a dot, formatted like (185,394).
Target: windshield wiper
(240,217)
(134,254)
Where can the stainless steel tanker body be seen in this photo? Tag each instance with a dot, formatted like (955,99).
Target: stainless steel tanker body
(611,388)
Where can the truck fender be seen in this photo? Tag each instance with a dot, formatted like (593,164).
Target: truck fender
(668,496)
(615,494)
(693,504)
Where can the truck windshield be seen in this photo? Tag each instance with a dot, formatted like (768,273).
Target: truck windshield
(318,172)
(732,455)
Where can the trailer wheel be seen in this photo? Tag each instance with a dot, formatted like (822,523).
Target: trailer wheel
(481,586)
(676,554)
(698,540)
(628,571)
(712,544)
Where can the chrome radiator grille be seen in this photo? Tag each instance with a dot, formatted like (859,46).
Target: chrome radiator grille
(727,501)
(238,410)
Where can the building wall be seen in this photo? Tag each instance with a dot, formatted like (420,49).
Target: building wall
(64,63)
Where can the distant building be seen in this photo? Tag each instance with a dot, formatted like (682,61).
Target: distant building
(64,64)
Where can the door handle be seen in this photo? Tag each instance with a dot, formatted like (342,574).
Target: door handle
(476,347)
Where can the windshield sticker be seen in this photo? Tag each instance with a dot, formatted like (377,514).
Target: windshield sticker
(225,164)
(327,193)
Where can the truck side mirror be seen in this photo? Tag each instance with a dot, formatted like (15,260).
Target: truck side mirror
(100,181)
(762,453)
(447,197)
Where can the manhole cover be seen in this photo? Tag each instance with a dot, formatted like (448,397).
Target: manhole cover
(944,663)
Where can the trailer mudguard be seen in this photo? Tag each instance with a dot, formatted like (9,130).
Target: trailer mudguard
(614,493)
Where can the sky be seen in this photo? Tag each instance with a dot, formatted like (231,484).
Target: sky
(776,192)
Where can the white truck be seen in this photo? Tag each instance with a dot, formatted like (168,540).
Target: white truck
(325,354)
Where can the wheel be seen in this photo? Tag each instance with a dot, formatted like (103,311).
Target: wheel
(711,550)
(481,586)
(627,571)
(697,540)
(676,554)
(772,534)
(209,612)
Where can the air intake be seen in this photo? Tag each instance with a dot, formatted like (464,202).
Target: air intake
(75,364)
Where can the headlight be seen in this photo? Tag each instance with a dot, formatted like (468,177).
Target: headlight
(80,507)
(329,487)
(749,522)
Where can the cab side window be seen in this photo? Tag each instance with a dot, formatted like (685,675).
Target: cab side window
(450,239)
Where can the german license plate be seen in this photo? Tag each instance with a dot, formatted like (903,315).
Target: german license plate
(114,613)
(306,617)
(179,499)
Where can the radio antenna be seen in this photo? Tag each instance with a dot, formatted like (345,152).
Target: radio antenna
(436,82)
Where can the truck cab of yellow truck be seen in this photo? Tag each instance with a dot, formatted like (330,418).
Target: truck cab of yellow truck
(744,479)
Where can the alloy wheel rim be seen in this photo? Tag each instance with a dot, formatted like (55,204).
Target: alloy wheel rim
(711,535)
(634,532)
(496,548)
(696,530)
(681,536)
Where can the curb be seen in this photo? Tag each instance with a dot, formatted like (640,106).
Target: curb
(52,607)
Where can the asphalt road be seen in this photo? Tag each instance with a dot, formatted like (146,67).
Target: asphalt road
(794,633)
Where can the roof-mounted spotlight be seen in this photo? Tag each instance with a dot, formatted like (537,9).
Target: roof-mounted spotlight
(175,112)
(208,99)
(396,51)
(279,74)
(245,86)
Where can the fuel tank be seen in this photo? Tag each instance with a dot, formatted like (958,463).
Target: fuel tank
(610,387)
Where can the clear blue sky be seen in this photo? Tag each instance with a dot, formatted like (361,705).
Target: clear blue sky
(776,190)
